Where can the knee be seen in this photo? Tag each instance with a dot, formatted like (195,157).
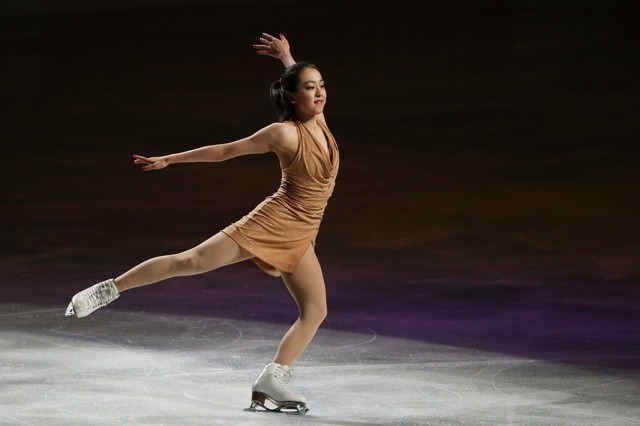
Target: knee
(316,312)
(186,263)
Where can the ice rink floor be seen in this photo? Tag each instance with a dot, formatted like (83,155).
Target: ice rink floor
(123,365)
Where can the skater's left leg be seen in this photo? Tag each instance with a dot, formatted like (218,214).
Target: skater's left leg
(306,285)
(217,251)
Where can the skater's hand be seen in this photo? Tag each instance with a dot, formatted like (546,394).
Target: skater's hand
(151,163)
(272,46)
(275,47)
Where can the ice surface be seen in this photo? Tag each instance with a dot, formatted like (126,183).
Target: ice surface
(147,368)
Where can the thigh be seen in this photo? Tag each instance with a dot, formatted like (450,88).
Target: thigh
(217,251)
(306,284)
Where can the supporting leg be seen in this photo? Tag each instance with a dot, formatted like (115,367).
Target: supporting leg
(307,287)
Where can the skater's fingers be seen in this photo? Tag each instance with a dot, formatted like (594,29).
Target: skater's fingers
(269,37)
(140,158)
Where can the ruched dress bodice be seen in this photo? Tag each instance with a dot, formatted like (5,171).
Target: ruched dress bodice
(281,228)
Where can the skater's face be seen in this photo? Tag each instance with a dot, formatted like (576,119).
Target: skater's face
(311,95)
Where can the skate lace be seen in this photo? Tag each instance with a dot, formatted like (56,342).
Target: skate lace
(100,297)
(285,376)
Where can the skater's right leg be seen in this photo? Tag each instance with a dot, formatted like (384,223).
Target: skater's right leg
(217,251)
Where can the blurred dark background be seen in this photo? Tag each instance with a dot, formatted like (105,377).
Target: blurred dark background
(486,145)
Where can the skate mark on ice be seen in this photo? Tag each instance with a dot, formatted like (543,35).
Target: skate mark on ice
(134,421)
(59,408)
(497,373)
(219,326)
(550,393)
(600,384)
(606,415)
(477,373)
(52,390)
(358,358)
(29,313)
(62,345)
(210,345)
(236,340)
(181,393)
(560,389)
(152,362)
(97,339)
(15,420)
(179,373)
(421,389)
(384,404)
(147,390)
(371,331)
(149,363)
(208,402)
(207,373)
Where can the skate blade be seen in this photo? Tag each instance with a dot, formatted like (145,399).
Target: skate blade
(290,408)
(70,311)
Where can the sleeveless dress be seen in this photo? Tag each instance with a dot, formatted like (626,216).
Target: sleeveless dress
(280,229)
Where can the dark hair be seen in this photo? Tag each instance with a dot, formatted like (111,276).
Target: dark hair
(287,84)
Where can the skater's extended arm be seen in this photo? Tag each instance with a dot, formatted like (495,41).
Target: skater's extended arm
(273,138)
(275,47)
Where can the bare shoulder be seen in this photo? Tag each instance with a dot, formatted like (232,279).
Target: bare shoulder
(284,137)
(285,131)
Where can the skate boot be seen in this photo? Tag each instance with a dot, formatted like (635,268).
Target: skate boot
(272,385)
(92,298)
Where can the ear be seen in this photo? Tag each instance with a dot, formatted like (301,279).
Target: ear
(291,99)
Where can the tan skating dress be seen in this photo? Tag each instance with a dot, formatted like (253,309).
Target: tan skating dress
(281,228)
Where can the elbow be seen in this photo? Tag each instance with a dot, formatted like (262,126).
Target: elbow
(219,153)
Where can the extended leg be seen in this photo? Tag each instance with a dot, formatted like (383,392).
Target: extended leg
(215,252)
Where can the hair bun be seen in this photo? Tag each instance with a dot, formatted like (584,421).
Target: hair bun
(288,82)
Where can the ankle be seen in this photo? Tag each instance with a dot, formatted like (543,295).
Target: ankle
(119,286)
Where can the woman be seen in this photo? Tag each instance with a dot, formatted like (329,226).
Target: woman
(278,235)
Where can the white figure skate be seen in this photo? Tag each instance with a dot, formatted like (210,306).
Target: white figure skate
(92,298)
(271,385)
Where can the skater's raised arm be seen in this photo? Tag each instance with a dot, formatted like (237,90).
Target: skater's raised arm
(275,47)
(278,48)
(276,138)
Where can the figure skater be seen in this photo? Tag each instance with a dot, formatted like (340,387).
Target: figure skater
(278,235)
